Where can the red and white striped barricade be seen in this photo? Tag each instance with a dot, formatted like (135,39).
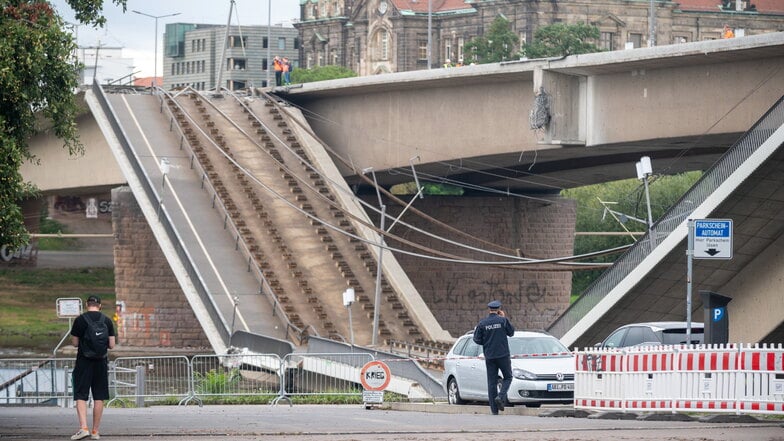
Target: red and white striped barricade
(708,378)
(650,378)
(761,379)
(598,380)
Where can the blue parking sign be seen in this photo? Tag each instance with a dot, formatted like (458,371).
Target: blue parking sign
(713,239)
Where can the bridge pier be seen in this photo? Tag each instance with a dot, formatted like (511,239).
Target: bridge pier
(457,293)
(156,312)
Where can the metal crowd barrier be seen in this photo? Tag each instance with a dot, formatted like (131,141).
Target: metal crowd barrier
(738,379)
(145,379)
(322,374)
(31,381)
(140,381)
(235,375)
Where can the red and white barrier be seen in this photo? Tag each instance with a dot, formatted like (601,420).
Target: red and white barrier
(711,378)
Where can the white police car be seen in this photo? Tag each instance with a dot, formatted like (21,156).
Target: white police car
(542,367)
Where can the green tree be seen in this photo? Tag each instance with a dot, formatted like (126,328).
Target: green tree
(321,73)
(562,39)
(498,44)
(38,77)
(628,198)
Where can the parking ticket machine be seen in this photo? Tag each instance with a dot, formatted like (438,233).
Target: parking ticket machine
(717,323)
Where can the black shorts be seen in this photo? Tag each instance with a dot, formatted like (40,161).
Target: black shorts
(91,375)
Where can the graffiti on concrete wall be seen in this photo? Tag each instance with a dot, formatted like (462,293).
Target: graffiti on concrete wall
(25,252)
(141,323)
(470,291)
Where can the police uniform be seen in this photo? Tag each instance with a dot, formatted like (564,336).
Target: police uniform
(492,333)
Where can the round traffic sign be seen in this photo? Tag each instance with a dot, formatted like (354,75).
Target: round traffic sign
(375,376)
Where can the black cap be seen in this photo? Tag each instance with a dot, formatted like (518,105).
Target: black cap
(495,304)
(94,299)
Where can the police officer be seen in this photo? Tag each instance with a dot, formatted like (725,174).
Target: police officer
(491,333)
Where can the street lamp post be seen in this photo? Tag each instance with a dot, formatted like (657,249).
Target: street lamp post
(644,169)
(156,17)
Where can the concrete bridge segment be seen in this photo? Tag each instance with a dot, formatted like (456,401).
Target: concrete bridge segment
(683,105)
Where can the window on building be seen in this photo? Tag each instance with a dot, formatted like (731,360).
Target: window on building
(448,49)
(282,43)
(422,51)
(333,56)
(635,40)
(309,61)
(172,68)
(606,40)
(384,45)
(296,42)
(523,38)
(237,41)
(321,57)
(460,44)
(264,64)
(323,12)
(236,64)
(193,45)
(264,42)
(335,8)
(203,65)
(680,39)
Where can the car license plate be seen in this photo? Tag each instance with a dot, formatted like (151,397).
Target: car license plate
(552,387)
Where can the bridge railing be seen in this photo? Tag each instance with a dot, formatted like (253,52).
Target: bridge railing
(164,218)
(675,216)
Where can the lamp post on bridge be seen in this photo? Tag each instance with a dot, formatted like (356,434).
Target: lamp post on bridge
(155,62)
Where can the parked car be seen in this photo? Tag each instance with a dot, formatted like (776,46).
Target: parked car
(542,367)
(653,334)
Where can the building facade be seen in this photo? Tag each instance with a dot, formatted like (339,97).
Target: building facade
(104,64)
(377,36)
(194,56)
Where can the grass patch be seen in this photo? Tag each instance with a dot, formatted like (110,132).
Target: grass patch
(29,297)
(51,226)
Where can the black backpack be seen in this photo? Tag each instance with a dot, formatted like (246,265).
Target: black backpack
(95,341)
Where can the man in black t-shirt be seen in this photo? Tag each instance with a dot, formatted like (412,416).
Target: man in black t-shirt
(90,374)
(492,334)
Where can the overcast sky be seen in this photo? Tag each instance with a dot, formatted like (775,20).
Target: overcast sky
(136,33)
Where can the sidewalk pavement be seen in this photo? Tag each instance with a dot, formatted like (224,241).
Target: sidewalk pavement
(354,422)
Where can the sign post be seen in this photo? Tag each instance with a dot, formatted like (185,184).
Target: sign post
(708,239)
(67,307)
(375,377)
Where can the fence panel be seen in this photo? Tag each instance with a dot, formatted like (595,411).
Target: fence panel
(650,379)
(29,381)
(236,375)
(599,380)
(149,379)
(761,387)
(324,374)
(708,378)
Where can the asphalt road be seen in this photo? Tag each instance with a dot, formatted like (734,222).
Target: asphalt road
(354,422)
(102,258)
